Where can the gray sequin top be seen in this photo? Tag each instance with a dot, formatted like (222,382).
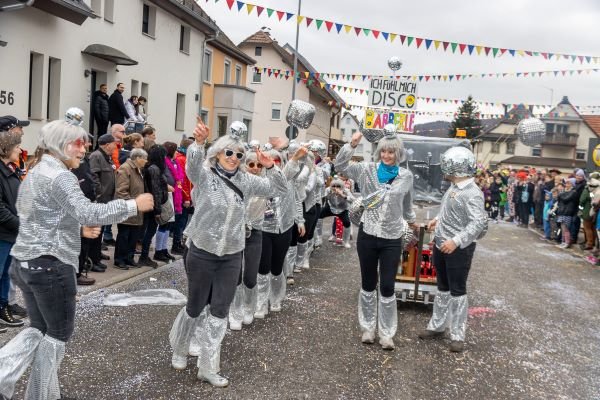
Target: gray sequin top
(284,210)
(319,191)
(218,224)
(462,216)
(52,210)
(384,221)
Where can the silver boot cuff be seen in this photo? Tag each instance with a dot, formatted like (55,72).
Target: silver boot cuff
(301,254)
(367,310)
(213,332)
(15,358)
(249,302)
(387,316)
(441,308)
(290,260)
(236,309)
(263,286)
(459,308)
(181,333)
(43,381)
(278,286)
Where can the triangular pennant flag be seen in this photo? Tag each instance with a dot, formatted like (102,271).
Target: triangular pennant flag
(393,36)
(462,47)
(322,84)
(453,45)
(428,43)
(436,44)
(410,39)
(308,21)
(249,7)
(288,16)
(338,27)
(471,47)
(240,5)
(306,75)
(319,23)
(478,49)
(495,51)
(445,45)
(280,14)
(385,35)
(347,28)
(419,41)
(375,33)
(259,10)
(521,53)
(357,30)
(328,24)
(402,38)
(512,52)
(230,3)
(366,31)
(299,19)
(487,50)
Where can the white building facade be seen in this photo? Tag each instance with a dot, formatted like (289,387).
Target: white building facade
(46,66)
(349,125)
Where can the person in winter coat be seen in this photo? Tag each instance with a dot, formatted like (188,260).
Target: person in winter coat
(186,191)
(10,180)
(178,175)
(585,205)
(580,184)
(338,201)
(495,198)
(568,202)
(130,142)
(117,113)
(547,215)
(101,109)
(132,106)
(130,184)
(523,196)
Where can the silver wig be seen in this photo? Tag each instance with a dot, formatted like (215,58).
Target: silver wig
(393,144)
(56,135)
(223,143)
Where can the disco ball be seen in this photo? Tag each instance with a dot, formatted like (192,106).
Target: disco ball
(394,63)
(238,130)
(531,131)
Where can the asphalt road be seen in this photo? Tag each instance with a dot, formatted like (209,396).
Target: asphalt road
(533,334)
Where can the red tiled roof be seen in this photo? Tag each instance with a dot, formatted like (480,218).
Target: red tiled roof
(258,37)
(593,121)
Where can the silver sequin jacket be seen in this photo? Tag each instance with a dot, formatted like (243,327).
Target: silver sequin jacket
(52,209)
(462,216)
(385,221)
(285,209)
(219,223)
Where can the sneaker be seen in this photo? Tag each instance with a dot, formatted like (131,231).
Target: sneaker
(427,334)
(214,379)
(339,242)
(168,255)
(121,265)
(290,280)
(85,281)
(331,238)
(109,242)
(17,310)
(147,262)
(99,267)
(368,337)
(347,245)
(6,318)
(297,269)
(160,256)
(131,263)
(457,346)
(387,343)
(177,250)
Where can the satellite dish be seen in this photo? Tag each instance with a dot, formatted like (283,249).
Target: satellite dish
(291,132)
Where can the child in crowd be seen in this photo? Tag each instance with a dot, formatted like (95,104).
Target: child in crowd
(548,204)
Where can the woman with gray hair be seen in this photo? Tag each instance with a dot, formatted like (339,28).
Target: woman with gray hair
(387,195)
(52,210)
(216,238)
(130,184)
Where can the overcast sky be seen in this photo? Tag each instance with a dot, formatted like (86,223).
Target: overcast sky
(555,26)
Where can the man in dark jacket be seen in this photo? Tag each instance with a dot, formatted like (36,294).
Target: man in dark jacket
(101,109)
(10,149)
(117,114)
(524,200)
(580,183)
(86,183)
(103,170)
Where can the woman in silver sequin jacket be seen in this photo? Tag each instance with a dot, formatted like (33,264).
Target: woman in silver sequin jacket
(387,191)
(52,210)
(216,238)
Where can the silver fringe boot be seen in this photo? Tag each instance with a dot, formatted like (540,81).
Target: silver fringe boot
(367,315)
(209,359)
(459,307)
(249,304)
(263,286)
(299,262)
(387,321)
(440,317)
(180,337)
(15,358)
(43,381)
(319,234)
(236,309)
(290,259)
(309,249)
(346,237)
(277,293)
(194,349)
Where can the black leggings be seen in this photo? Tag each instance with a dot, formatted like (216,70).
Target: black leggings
(294,236)
(310,223)
(374,251)
(453,269)
(326,212)
(274,250)
(251,259)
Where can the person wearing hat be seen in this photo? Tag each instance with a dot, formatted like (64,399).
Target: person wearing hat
(103,169)
(460,223)
(10,180)
(12,124)
(388,188)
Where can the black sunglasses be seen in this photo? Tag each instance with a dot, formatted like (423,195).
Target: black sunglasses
(252,164)
(229,153)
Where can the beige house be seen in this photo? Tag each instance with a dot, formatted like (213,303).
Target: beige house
(565,147)
(274,94)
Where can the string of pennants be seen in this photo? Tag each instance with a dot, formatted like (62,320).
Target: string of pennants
(284,73)
(405,40)
(310,78)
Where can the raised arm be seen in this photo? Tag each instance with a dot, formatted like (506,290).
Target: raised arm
(196,153)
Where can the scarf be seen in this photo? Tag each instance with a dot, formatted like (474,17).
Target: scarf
(225,173)
(386,172)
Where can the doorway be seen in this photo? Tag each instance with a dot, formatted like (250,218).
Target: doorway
(97,78)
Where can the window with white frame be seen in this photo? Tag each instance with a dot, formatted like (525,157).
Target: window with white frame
(207,66)
(184,39)
(222,125)
(510,148)
(53,98)
(180,112)
(258,51)
(149,20)
(257,77)
(276,111)
(227,72)
(238,75)
(36,82)
(580,154)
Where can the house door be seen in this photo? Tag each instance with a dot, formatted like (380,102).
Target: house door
(92,89)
